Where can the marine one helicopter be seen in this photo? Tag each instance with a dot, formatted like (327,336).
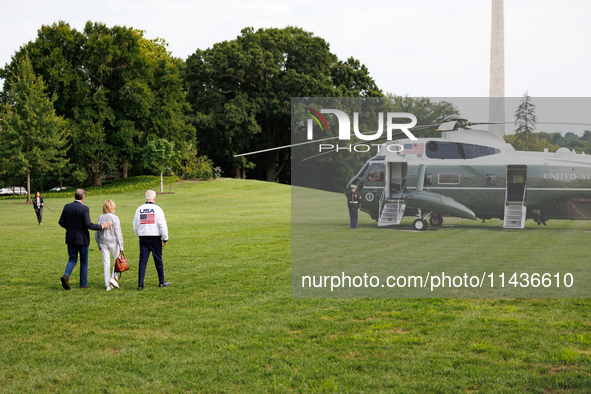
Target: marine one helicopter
(472,174)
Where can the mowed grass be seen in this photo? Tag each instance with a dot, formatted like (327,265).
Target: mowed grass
(228,322)
(323,245)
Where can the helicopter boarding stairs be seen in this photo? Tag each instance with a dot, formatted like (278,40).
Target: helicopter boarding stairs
(391,211)
(515,212)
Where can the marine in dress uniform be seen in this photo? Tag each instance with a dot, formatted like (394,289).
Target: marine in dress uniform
(354,204)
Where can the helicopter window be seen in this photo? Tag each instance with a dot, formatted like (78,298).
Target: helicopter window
(456,150)
(448,178)
(428,180)
(491,179)
(376,172)
(362,172)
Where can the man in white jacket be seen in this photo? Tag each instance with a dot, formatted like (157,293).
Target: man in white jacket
(149,224)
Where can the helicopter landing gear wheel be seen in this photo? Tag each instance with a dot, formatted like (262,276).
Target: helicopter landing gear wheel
(419,224)
(435,220)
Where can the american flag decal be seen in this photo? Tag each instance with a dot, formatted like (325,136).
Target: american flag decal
(415,149)
(147,218)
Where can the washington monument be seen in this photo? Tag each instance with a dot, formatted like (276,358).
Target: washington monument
(497,67)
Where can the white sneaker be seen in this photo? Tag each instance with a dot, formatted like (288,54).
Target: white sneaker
(109,287)
(113,282)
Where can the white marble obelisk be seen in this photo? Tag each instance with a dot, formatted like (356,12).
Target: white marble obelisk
(497,68)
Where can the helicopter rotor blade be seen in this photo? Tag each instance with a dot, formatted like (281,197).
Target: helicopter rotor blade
(311,142)
(575,124)
(416,128)
(566,123)
(425,127)
(285,146)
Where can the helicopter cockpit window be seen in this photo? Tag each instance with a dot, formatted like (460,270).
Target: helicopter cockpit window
(457,150)
(361,174)
(491,179)
(376,172)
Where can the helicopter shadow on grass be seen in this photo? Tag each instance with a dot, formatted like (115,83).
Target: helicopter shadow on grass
(488,228)
(409,228)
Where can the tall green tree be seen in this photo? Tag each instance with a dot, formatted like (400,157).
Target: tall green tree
(115,87)
(32,136)
(159,155)
(241,93)
(525,120)
(351,79)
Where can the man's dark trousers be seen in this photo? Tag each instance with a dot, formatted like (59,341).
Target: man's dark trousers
(75,219)
(147,245)
(354,217)
(73,251)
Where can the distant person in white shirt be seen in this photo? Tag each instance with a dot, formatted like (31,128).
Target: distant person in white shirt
(149,224)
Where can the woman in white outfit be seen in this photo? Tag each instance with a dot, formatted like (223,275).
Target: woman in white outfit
(110,241)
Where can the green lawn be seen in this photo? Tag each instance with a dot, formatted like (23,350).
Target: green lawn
(228,322)
(324,246)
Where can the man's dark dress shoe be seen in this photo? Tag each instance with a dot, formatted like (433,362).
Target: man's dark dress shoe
(65,282)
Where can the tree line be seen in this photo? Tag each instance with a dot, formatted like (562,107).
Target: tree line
(78,105)
(106,91)
(526,139)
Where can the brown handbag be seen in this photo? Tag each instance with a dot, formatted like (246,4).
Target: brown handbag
(121,264)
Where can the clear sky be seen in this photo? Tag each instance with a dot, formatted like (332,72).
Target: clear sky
(428,48)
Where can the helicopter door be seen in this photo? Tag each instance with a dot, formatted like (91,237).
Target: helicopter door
(516,183)
(397,180)
(515,210)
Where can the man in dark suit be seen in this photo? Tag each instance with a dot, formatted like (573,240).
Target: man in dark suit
(76,220)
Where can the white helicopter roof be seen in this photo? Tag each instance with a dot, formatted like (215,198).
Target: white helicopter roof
(477,137)
(482,138)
